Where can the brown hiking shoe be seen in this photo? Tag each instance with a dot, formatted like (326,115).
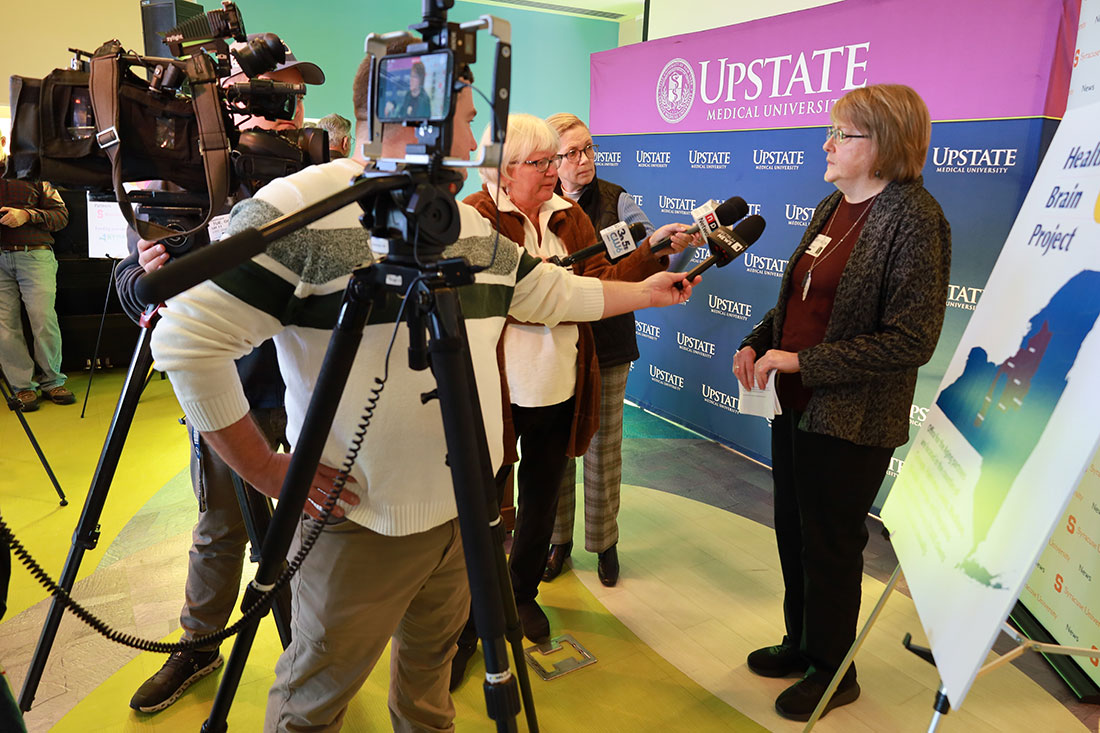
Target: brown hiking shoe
(28,398)
(59,396)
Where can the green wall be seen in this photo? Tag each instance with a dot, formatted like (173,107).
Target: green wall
(550,71)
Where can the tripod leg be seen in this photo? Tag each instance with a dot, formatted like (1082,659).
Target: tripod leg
(14,406)
(256,512)
(468,457)
(86,536)
(99,337)
(303,464)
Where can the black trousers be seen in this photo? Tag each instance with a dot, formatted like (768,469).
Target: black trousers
(824,487)
(543,434)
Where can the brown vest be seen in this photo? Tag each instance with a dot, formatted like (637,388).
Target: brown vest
(575,230)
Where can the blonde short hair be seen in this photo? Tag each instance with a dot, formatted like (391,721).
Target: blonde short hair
(898,122)
(526,134)
(563,122)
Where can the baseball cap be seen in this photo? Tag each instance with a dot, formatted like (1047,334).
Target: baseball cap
(311,73)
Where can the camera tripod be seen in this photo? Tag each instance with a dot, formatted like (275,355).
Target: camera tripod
(254,508)
(437,340)
(17,407)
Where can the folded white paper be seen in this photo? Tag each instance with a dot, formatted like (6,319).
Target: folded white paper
(759,402)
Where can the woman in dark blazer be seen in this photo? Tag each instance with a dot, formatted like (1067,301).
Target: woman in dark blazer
(860,309)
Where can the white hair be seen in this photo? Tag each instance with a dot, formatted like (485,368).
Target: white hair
(526,134)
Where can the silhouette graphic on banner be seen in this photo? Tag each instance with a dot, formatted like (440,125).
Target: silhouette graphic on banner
(1003,409)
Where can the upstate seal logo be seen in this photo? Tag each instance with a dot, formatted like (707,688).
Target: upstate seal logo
(675,91)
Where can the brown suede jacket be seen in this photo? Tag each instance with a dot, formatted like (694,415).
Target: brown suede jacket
(575,230)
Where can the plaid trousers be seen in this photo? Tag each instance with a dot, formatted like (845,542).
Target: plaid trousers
(603,471)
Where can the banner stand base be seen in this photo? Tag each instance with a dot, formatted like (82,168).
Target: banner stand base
(941,706)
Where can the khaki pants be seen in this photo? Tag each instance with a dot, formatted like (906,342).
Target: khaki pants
(356,589)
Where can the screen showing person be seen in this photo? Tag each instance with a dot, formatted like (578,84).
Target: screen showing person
(414,87)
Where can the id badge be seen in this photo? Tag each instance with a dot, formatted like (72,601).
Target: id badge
(818,245)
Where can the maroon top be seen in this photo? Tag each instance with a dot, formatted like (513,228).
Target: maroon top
(806,320)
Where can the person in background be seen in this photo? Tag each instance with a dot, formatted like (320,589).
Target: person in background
(219,540)
(860,309)
(29,212)
(552,375)
(339,135)
(604,204)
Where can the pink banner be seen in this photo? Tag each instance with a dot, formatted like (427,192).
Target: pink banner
(968,59)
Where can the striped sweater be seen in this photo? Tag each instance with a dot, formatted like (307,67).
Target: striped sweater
(293,293)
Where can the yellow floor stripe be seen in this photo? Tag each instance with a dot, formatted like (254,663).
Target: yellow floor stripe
(631,688)
(153,455)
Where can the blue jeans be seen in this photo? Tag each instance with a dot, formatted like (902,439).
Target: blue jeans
(30,277)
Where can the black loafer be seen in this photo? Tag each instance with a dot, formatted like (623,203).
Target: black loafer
(799,701)
(555,560)
(458,664)
(607,567)
(780,660)
(536,626)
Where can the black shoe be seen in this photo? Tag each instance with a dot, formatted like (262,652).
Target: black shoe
(607,566)
(799,700)
(536,626)
(555,560)
(780,660)
(458,665)
(178,673)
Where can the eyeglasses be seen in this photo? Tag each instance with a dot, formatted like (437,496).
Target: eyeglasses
(839,135)
(542,164)
(574,154)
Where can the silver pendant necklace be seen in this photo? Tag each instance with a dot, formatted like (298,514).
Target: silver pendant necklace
(808,277)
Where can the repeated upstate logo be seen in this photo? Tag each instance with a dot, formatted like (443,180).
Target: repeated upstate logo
(647,330)
(778,160)
(709,159)
(758,265)
(974,160)
(666,378)
(694,345)
(675,205)
(675,91)
(609,158)
(718,398)
(729,308)
(653,158)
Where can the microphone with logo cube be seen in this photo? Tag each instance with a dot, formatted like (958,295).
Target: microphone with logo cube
(727,244)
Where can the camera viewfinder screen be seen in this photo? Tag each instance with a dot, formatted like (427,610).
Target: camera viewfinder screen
(415,87)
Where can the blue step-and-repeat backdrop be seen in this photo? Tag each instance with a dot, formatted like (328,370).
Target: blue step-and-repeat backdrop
(983,156)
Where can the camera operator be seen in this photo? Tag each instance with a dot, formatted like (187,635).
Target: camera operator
(216,559)
(392,564)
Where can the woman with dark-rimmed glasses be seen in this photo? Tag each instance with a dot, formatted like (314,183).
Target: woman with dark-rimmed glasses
(860,309)
(604,203)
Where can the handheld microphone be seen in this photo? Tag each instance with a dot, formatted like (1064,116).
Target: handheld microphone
(616,240)
(727,213)
(727,244)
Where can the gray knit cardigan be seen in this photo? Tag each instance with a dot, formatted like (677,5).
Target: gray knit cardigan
(885,322)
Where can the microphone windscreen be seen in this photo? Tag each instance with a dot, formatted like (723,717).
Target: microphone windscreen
(749,230)
(731,210)
(637,231)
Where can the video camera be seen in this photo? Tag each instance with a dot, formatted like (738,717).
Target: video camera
(419,88)
(99,124)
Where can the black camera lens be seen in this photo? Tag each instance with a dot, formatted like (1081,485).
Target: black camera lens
(262,54)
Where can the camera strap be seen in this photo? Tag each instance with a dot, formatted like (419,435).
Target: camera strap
(103,87)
